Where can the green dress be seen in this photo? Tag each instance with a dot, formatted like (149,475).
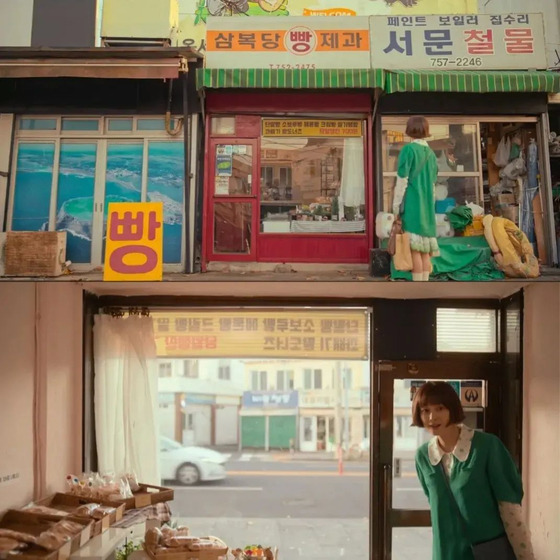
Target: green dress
(488,476)
(418,163)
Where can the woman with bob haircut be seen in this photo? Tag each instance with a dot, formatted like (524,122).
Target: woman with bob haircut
(472,484)
(414,197)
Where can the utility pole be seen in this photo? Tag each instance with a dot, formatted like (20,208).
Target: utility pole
(337,415)
(346,411)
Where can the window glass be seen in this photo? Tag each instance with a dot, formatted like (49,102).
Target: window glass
(74,205)
(456,148)
(223,125)
(80,124)
(232,227)
(166,172)
(466,330)
(32,193)
(119,125)
(37,124)
(312,176)
(233,170)
(151,124)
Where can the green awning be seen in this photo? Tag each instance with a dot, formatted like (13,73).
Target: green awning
(470,81)
(288,79)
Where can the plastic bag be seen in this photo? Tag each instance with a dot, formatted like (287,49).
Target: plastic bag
(501,157)
(383,224)
(476,209)
(514,169)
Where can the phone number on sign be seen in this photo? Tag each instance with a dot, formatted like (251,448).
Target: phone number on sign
(292,66)
(459,62)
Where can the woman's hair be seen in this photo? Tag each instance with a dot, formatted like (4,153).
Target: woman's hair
(434,393)
(418,127)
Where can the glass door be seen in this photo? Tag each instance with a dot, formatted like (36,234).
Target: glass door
(233,188)
(403,515)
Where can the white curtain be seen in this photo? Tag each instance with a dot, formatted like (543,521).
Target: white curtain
(126,398)
(352,183)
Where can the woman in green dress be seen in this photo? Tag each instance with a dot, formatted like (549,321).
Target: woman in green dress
(477,468)
(414,197)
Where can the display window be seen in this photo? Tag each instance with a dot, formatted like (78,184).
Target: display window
(292,177)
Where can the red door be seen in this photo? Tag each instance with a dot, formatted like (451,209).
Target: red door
(232,187)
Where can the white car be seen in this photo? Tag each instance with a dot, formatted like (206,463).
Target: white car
(189,464)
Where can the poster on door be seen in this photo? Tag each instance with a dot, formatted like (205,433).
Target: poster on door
(134,248)
(472,394)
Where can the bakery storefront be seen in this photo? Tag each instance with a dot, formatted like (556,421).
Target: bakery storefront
(288,159)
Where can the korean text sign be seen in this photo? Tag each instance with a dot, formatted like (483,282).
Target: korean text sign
(134,249)
(263,334)
(311,128)
(459,42)
(288,43)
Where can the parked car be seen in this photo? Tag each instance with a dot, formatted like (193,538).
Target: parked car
(189,465)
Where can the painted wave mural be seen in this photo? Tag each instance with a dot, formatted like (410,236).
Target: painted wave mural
(76,187)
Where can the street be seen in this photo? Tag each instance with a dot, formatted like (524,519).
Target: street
(306,508)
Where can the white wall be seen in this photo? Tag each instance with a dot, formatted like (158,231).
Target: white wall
(41,389)
(551,13)
(541,432)
(16,19)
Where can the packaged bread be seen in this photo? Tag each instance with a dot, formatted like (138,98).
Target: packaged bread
(153,537)
(8,545)
(95,511)
(101,511)
(204,544)
(179,541)
(51,540)
(67,528)
(16,535)
(45,510)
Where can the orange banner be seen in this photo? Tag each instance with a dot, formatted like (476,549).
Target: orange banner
(298,40)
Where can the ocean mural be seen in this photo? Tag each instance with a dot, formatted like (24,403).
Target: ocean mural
(74,204)
(75,194)
(166,184)
(32,194)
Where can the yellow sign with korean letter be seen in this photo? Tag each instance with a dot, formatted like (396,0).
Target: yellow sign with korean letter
(134,248)
(314,128)
(316,334)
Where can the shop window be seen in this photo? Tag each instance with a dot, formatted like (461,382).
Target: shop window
(233,173)
(37,124)
(190,368)
(312,176)
(150,124)
(456,146)
(232,227)
(32,193)
(77,125)
(119,125)
(224,126)
(467,330)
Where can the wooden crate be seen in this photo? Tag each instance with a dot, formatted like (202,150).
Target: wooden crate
(70,502)
(35,524)
(207,554)
(35,253)
(147,495)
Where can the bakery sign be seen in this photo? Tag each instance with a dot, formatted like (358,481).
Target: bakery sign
(288,42)
(338,334)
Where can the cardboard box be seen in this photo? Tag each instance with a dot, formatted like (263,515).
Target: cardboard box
(506,198)
(35,524)
(511,213)
(70,502)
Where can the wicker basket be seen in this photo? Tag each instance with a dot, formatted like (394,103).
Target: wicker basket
(35,253)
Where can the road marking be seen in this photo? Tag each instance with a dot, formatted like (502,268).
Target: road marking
(205,488)
(295,473)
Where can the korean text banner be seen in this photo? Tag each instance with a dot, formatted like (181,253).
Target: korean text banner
(311,128)
(459,42)
(134,249)
(284,43)
(333,334)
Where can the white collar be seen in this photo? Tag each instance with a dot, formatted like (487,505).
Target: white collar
(420,141)
(462,448)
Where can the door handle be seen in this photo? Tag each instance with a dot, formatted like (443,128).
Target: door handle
(387,489)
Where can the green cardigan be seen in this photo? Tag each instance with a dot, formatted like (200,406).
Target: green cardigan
(488,476)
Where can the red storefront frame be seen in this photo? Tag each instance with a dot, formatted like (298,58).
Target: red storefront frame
(248,108)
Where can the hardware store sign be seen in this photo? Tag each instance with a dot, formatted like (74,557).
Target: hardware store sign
(333,334)
(311,128)
(288,43)
(458,42)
